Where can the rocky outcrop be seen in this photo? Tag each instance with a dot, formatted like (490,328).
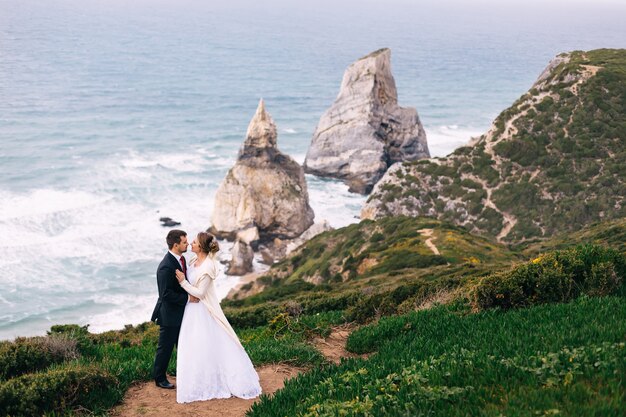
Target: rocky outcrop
(278,249)
(168,222)
(264,195)
(241,262)
(309,234)
(551,163)
(365,131)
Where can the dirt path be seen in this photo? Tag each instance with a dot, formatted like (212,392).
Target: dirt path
(334,346)
(508,220)
(428,233)
(148,400)
(588,72)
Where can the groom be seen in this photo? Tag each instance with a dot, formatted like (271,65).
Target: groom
(169,309)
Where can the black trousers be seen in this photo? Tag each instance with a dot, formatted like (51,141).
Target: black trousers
(168,337)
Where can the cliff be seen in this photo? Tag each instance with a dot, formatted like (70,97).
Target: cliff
(552,162)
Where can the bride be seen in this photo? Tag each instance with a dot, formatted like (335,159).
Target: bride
(211,362)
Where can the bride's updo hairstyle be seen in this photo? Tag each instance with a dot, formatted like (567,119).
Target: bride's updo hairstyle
(208,243)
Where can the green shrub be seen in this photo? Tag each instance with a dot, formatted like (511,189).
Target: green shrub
(386,303)
(603,279)
(367,307)
(56,390)
(377,237)
(75,332)
(278,290)
(555,277)
(26,355)
(329,302)
(141,334)
(404,258)
(253,316)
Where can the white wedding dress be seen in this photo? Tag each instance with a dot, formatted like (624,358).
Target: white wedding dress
(211,363)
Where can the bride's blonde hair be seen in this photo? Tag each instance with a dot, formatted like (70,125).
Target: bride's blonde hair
(208,243)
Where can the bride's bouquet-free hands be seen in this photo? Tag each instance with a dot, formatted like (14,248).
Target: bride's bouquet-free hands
(181,277)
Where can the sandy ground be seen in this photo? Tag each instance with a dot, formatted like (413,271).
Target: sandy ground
(146,399)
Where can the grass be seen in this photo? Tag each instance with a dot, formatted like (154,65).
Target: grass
(365,261)
(111,362)
(611,233)
(565,358)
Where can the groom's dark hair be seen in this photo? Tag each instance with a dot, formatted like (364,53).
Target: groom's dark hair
(173,237)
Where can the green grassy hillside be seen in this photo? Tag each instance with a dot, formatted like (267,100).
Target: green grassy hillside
(372,268)
(478,329)
(563,359)
(611,233)
(552,162)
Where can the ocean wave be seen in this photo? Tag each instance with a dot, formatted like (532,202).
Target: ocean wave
(35,323)
(44,201)
(58,225)
(180,162)
(443,140)
(331,201)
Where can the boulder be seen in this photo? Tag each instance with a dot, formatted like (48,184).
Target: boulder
(242,256)
(365,131)
(168,222)
(249,236)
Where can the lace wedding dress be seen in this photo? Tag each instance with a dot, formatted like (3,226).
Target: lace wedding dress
(211,363)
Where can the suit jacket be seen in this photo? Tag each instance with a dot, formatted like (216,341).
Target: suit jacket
(170,306)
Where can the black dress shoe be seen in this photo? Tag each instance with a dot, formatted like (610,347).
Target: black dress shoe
(165,384)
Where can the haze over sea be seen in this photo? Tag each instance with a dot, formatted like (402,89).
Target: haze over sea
(115,113)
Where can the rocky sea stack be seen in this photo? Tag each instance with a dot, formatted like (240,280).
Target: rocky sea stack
(365,131)
(264,195)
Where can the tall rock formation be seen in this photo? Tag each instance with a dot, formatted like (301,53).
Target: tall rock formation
(264,194)
(365,131)
(551,163)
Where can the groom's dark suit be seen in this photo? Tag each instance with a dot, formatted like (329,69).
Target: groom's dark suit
(168,313)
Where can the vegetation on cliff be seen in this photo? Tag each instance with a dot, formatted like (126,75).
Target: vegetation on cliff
(371,269)
(552,162)
(504,343)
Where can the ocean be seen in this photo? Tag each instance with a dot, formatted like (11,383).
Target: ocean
(115,113)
